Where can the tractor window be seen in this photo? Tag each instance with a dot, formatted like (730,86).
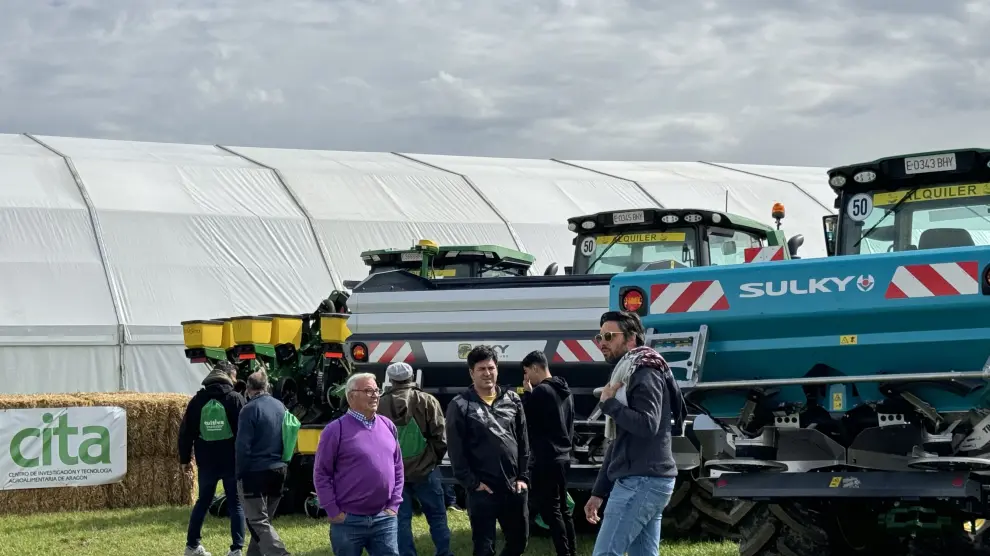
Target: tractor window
(673,248)
(486,269)
(948,227)
(727,247)
(940,216)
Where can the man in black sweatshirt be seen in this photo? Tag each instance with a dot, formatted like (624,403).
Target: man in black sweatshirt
(210,426)
(549,410)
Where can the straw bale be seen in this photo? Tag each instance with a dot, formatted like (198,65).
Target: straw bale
(31,401)
(153,421)
(153,475)
(149,482)
(152,482)
(49,500)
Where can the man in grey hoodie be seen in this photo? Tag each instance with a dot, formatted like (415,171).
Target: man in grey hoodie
(260,469)
(639,470)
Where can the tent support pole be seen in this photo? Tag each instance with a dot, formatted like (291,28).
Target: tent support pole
(792,184)
(614,177)
(512,232)
(324,251)
(94,221)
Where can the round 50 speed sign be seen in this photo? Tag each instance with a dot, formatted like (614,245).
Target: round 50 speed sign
(859,207)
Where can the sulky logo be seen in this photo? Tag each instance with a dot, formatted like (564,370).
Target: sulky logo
(832,284)
(865,283)
(795,287)
(464,349)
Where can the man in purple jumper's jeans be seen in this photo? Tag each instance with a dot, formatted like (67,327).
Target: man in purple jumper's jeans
(358,474)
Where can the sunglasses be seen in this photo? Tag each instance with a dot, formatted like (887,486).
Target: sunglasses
(606,336)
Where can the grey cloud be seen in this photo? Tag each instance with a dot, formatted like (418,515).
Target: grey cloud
(761,81)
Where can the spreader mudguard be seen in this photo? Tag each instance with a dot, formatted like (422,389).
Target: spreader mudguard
(910,312)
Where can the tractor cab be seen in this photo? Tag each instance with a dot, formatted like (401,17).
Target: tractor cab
(431,261)
(915,201)
(656,238)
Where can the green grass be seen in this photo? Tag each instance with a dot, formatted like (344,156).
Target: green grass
(162,531)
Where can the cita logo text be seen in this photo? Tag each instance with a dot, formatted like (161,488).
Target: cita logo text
(54,441)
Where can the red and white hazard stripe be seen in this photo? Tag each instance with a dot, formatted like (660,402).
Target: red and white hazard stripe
(763,254)
(390,352)
(688,297)
(934,280)
(578,351)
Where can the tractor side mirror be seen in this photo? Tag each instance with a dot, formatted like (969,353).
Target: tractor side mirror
(794,244)
(828,227)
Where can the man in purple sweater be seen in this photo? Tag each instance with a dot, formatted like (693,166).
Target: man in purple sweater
(358,474)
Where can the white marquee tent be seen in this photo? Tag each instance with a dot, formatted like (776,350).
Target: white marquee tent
(106,246)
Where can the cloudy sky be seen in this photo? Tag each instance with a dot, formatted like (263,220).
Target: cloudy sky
(759,81)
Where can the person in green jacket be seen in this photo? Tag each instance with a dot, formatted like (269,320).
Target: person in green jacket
(423,442)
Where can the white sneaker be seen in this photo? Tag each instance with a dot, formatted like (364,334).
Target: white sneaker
(198,551)
(234,553)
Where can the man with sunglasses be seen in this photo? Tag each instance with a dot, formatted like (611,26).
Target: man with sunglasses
(489,454)
(637,476)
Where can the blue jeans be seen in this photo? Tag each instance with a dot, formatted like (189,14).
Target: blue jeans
(449,498)
(430,494)
(376,533)
(631,522)
(208,479)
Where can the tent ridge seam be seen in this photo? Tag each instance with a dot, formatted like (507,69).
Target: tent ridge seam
(324,252)
(796,186)
(94,222)
(476,189)
(613,176)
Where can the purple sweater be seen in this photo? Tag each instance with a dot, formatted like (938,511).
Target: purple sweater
(358,470)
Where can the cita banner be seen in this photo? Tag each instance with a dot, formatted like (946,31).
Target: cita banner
(62,447)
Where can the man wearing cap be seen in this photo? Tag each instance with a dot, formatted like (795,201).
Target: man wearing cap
(210,426)
(423,441)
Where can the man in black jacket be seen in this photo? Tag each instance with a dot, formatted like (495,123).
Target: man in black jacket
(210,426)
(489,452)
(550,419)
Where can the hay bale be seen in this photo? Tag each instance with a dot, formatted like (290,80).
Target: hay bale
(153,475)
(153,421)
(152,482)
(31,401)
(49,500)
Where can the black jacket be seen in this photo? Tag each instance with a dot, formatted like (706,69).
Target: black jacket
(488,444)
(550,420)
(216,456)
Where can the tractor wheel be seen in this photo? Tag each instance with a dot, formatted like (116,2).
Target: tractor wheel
(693,513)
(783,530)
